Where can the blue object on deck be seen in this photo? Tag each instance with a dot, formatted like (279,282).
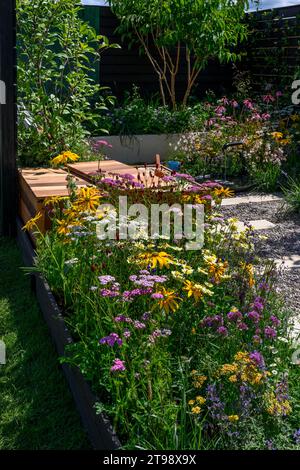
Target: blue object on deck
(173,165)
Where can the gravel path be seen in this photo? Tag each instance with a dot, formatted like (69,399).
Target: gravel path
(283,240)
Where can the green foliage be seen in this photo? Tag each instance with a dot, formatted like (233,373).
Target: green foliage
(198,30)
(57,97)
(136,116)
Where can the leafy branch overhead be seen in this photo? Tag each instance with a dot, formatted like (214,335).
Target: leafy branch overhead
(182,36)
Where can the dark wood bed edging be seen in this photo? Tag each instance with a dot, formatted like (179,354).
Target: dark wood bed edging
(98,427)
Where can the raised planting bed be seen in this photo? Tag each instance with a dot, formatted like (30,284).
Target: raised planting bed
(148,175)
(97,426)
(140,148)
(37,184)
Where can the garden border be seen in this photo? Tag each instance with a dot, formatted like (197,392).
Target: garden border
(98,426)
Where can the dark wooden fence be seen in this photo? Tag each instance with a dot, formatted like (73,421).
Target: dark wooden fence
(272,54)
(273,49)
(8,170)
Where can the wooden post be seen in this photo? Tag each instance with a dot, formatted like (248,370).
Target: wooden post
(8,127)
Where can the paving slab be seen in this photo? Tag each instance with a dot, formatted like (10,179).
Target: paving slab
(289,262)
(256,224)
(234,201)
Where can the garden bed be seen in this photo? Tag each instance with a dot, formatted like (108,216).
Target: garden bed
(97,426)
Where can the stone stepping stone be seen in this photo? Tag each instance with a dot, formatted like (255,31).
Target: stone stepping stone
(289,262)
(235,201)
(256,225)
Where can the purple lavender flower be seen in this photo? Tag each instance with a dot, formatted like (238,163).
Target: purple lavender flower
(215,405)
(296,436)
(118,366)
(270,332)
(111,340)
(146,316)
(257,357)
(270,444)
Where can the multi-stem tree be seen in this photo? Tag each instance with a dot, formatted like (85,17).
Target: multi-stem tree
(182,34)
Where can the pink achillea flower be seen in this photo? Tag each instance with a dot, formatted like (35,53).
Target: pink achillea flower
(118,366)
(157,296)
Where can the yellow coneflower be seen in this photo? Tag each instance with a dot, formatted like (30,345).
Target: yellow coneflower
(32,223)
(88,199)
(162,259)
(64,158)
(197,291)
(169,302)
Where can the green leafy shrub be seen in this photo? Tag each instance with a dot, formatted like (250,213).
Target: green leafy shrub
(137,116)
(57,97)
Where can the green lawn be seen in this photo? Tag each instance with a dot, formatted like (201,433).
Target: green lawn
(36,407)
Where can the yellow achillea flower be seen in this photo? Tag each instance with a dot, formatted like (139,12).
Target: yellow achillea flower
(32,223)
(233,418)
(88,200)
(169,301)
(200,400)
(233,379)
(196,410)
(191,402)
(228,369)
(162,259)
(244,370)
(242,357)
(277,407)
(198,379)
(196,290)
(64,158)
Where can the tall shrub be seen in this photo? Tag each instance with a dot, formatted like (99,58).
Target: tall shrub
(57,53)
(182,34)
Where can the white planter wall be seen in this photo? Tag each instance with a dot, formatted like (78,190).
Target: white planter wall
(140,148)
